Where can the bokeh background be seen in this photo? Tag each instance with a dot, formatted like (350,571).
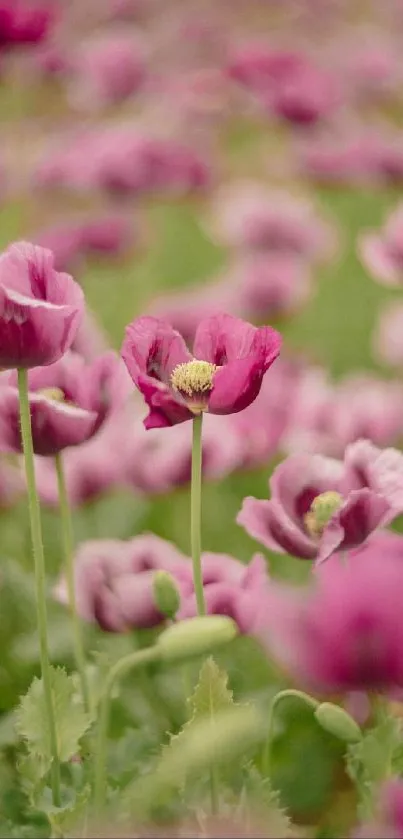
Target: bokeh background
(141,115)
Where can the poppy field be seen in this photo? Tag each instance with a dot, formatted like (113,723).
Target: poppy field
(201,413)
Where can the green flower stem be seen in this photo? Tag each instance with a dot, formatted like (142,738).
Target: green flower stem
(195,513)
(283,694)
(68,546)
(129,662)
(195,534)
(40,577)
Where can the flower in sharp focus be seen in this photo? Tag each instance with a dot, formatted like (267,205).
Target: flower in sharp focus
(320,505)
(382,252)
(223,376)
(114,580)
(69,401)
(345,632)
(40,308)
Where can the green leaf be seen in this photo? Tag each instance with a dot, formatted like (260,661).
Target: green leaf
(70,814)
(71,720)
(369,761)
(258,802)
(210,696)
(211,693)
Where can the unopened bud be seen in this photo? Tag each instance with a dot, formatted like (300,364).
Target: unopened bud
(196,636)
(338,722)
(166,595)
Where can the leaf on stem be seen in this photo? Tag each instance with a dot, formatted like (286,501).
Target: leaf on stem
(71,720)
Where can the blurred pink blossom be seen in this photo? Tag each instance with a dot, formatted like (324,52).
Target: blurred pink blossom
(106,70)
(92,470)
(262,426)
(353,155)
(108,233)
(327,417)
(270,285)
(25,21)
(288,83)
(382,253)
(185,309)
(159,462)
(248,215)
(114,580)
(122,159)
(388,337)
(69,402)
(345,632)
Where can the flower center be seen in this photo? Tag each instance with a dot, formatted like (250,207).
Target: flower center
(194,381)
(54,393)
(322,509)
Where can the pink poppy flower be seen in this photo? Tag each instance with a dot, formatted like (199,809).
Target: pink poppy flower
(25,22)
(382,253)
(114,580)
(92,469)
(320,505)
(366,406)
(232,589)
(327,417)
(40,309)
(250,216)
(345,632)
(288,83)
(271,285)
(64,240)
(69,402)
(223,376)
(388,337)
(106,70)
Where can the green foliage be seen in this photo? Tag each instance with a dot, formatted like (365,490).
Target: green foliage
(370,761)
(71,720)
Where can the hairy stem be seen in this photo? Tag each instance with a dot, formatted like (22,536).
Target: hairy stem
(40,577)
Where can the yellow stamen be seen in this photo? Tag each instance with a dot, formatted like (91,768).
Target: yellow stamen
(193,377)
(322,509)
(52,393)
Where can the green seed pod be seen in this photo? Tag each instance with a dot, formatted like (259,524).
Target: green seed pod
(166,595)
(338,722)
(196,636)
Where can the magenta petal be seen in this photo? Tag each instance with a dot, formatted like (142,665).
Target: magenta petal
(236,385)
(40,309)
(55,425)
(223,338)
(362,513)
(153,348)
(266,522)
(165,410)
